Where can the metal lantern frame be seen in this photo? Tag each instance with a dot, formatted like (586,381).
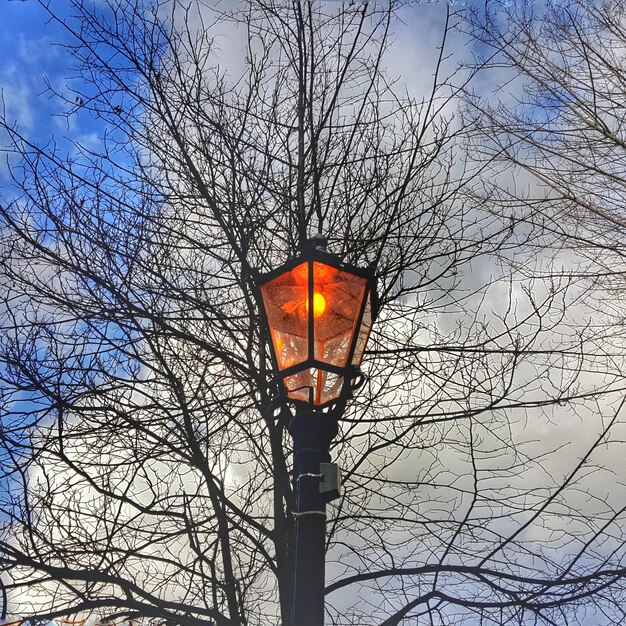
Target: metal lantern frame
(347,375)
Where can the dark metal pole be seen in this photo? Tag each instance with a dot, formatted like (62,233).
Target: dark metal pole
(312,433)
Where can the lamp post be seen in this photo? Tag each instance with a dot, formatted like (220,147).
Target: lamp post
(318,313)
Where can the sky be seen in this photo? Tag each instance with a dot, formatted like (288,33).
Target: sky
(33,58)
(33,61)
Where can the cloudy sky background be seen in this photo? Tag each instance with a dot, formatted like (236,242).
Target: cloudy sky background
(31,56)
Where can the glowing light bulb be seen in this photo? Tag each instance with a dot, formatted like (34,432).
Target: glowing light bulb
(319,304)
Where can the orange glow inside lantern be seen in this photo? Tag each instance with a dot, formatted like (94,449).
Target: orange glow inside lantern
(315,347)
(319,304)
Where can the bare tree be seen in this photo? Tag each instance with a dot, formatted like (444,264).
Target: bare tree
(148,467)
(550,130)
(561,126)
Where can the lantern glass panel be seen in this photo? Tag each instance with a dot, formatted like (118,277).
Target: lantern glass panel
(285,299)
(335,322)
(314,386)
(331,388)
(364,332)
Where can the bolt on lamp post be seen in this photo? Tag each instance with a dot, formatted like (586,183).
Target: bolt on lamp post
(318,312)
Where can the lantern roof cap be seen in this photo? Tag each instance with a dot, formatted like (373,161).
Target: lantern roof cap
(314,251)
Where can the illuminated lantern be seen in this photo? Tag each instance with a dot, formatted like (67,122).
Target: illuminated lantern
(316,350)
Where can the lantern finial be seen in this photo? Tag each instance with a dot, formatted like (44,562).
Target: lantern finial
(319,241)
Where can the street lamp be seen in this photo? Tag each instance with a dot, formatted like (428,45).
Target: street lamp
(318,313)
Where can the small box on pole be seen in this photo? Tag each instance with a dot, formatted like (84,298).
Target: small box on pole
(330,481)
